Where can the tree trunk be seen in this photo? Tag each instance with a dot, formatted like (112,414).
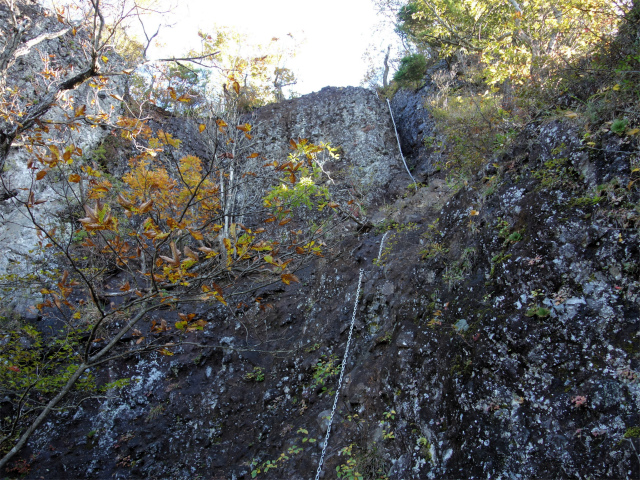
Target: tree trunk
(385,75)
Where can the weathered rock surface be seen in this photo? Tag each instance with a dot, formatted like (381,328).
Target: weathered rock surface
(492,355)
(415,123)
(353,119)
(63,54)
(497,336)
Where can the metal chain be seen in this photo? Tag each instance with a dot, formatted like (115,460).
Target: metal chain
(344,363)
(381,245)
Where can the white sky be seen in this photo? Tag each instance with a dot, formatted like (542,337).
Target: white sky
(337,33)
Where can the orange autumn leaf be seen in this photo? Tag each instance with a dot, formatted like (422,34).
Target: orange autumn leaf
(287,278)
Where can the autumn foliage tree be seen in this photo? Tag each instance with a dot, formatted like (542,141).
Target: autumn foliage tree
(172,230)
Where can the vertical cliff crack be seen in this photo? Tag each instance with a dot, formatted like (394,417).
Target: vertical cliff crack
(399,147)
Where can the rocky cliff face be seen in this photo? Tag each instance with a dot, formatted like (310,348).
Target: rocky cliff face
(57,55)
(353,119)
(497,336)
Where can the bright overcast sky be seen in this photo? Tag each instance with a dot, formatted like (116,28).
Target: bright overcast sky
(337,33)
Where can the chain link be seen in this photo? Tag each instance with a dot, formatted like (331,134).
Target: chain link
(381,245)
(344,363)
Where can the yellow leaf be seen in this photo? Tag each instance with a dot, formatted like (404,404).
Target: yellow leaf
(616,87)
(195,234)
(633,131)
(74,178)
(208,251)
(105,59)
(287,278)
(474,212)
(201,127)
(171,223)
(571,114)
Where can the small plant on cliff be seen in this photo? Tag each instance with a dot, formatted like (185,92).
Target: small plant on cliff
(425,448)
(348,470)
(325,368)
(433,244)
(257,375)
(295,449)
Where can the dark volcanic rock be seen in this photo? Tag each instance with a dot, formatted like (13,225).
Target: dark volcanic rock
(496,336)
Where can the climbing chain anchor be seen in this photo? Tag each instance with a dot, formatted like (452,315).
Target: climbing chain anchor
(344,363)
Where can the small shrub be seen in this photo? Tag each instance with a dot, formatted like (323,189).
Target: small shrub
(633,432)
(474,128)
(257,375)
(540,312)
(619,126)
(412,69)
(326,367)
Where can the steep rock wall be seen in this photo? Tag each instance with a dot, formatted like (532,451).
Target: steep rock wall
(497,335)
(502,345)
(22,249)
(351,118)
